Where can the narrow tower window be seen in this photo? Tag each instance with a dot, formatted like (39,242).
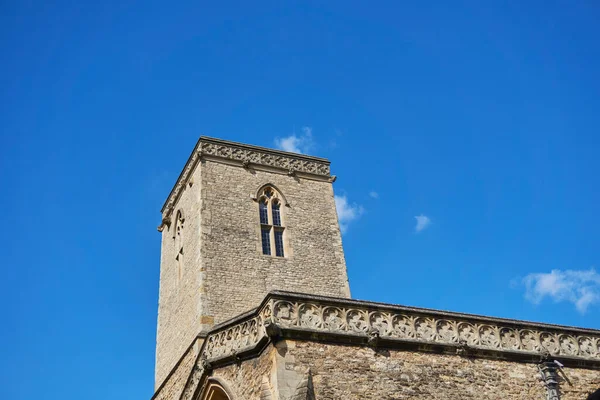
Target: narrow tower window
(266,240)
(276,213)
(272,227)
(279,242)
(264,212)
(178,236)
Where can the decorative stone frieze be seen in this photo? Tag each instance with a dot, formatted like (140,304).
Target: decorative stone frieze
(375,322)
(235,340)
(247,156)
(297,315)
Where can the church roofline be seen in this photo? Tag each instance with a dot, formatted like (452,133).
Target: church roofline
(431,311)
(246,155)
(300,316)
(332,319)
(338,301)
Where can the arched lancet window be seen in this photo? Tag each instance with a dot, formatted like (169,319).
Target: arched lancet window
(178,237)
(276,210)
(272,227)
(264,211)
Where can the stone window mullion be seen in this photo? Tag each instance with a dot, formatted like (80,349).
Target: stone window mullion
(273,237)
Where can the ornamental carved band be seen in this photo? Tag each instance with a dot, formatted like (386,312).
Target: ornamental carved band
(404,325)
(247,156)
(234,340)
(408,326)
(254,156)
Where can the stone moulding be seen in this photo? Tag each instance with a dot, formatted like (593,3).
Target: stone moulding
(246,156)
(296,314)
(338,320)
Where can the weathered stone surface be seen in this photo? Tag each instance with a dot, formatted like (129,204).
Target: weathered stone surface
(212,268)
(238,275)
(179,306)
(245,379)
(175,382)
(357,372)
(349,372)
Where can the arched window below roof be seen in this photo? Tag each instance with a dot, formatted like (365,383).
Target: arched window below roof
(272,222)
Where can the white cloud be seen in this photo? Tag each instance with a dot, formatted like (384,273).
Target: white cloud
(423,221)
(374,194)
(346,212)
(296,143)
(580,287)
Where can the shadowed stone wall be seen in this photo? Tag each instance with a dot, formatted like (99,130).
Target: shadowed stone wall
(179,303)
(173,384)
(250,379)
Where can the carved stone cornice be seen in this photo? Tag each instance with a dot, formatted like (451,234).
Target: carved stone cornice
(184,176)
(300,316)
(246,156)
(295,313)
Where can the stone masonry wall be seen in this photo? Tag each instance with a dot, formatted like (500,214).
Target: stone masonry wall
(347,372)
(174,384)
(249,379)
(238,275)
(358,373)
(179,305)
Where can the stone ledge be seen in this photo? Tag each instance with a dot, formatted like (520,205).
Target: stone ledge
(246,156)
(428,311)
(353,321)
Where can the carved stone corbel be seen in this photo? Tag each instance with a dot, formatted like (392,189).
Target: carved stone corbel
(165,221)
(463,349)
(273,330)
(372,337)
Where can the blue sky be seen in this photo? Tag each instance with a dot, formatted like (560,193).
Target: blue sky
(465,139)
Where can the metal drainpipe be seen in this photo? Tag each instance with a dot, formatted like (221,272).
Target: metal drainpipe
(549,375)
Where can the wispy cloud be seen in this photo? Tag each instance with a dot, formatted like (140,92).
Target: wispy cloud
(296,143)
(580,287)
(423,221)
(333,142)
(374,194)
(346,212)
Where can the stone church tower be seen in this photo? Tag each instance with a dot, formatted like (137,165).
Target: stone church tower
(240,222)
(254,304)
